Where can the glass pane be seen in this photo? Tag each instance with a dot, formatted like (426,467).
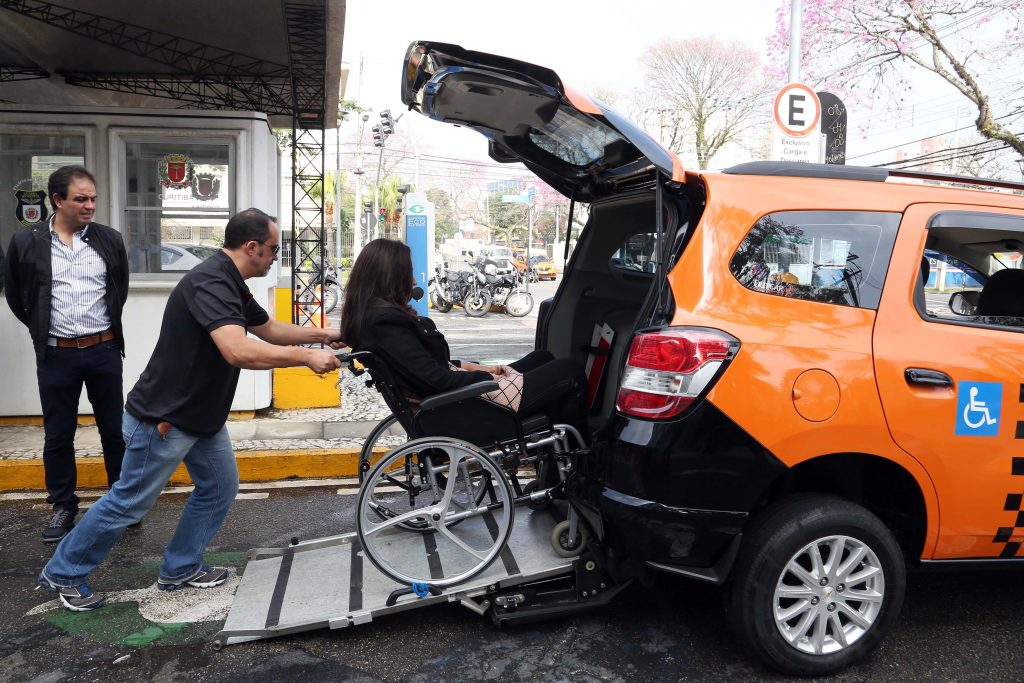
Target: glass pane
(574,138)
(836,257)
(186,185)
(178,174)
(26,162)
(636,254)
(172,241)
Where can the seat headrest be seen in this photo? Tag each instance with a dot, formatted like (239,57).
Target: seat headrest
(1003,294)
(926,268)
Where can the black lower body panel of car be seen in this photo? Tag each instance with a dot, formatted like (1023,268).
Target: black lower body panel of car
(673,494)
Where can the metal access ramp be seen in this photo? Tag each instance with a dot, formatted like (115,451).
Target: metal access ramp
(329,583)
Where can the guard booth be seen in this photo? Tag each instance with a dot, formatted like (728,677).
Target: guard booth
(177,126)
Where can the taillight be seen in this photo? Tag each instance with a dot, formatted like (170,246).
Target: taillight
(668,369)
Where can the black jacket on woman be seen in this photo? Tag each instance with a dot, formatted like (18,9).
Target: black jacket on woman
(414,351)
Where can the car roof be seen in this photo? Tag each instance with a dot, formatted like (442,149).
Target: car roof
(869,174)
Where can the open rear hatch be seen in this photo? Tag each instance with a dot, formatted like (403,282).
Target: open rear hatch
(575,144)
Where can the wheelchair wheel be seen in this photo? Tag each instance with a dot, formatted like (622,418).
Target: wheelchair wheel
(386,435)
(452,493)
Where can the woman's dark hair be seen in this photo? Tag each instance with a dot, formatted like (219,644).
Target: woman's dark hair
(246,226)
(381,276)
(61,178)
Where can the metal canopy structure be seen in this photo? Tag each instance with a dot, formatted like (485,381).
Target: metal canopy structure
(278,57)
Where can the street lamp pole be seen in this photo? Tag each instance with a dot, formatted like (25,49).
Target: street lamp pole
(357,230)
(795,27)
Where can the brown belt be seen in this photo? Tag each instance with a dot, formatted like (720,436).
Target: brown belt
(85,342)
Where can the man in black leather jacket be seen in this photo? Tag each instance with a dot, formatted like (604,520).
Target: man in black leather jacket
(67,280)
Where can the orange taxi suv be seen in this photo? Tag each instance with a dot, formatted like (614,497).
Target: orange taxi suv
(803,378)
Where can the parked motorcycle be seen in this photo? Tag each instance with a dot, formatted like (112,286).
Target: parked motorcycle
(477,301)
(332,291)
(448,287)
(507,292)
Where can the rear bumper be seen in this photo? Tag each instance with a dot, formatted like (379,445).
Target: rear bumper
(680,540)
(675,493)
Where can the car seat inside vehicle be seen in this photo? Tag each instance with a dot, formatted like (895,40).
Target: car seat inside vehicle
(1003,294)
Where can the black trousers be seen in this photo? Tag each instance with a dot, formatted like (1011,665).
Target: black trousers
(556,387)
(61,374)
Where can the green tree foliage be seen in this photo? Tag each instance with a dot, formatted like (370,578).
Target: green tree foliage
(445,214)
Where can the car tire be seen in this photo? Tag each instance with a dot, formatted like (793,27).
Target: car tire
(771,601)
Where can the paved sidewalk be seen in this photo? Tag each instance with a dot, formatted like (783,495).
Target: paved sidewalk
(276,444)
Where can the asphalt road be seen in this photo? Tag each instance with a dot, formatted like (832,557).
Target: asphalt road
(954,627)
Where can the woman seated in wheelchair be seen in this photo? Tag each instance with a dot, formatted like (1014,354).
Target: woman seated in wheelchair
(377,317)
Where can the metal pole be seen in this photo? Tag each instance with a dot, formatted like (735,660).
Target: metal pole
(337,195)
(796,13)
(357,230)
(529,240)
(376,193)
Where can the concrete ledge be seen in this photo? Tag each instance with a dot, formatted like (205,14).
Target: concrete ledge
(37,420)
(274,465)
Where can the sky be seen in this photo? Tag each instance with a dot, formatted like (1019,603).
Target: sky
(595,45)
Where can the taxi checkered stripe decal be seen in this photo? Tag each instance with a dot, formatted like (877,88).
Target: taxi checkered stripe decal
(1013,500)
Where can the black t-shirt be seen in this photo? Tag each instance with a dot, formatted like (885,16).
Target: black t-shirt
(187,381)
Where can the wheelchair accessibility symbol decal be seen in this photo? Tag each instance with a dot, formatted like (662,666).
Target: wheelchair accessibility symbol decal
(977,408)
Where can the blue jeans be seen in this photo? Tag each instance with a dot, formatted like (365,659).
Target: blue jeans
(149,461)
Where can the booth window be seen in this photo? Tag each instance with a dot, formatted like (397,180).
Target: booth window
(26,162)
(178,198)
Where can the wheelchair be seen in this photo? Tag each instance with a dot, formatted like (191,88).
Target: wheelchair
(451,490)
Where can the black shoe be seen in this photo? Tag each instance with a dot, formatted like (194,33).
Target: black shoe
(61,522)
(204,577)
(76,599)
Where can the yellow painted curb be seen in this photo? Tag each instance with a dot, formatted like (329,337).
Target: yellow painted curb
(320,463)
(37,420)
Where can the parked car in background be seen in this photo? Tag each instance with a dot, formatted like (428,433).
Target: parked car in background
(543,267)
(502,258)
(179,257)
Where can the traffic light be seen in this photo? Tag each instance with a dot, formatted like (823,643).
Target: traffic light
(378,137)
(380,216)
(387,122)
(367,207)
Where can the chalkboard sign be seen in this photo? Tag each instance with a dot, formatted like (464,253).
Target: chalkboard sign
(833,127)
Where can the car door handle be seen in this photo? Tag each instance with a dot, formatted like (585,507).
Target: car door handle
(932,378)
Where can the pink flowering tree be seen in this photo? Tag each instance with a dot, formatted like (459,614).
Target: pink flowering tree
(868,45)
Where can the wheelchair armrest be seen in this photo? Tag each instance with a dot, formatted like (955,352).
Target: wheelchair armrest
(469,391)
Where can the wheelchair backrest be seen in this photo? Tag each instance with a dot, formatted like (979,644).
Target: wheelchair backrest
(391,392)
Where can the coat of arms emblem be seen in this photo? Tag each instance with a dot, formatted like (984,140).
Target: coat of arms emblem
(206,187)
(175,171)
(31,207)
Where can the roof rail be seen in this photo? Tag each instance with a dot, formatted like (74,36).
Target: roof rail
(958,179)
(805,170)
(868,173)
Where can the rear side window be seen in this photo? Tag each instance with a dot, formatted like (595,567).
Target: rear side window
(834,257)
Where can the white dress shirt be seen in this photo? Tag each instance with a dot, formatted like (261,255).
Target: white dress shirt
(77,307)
